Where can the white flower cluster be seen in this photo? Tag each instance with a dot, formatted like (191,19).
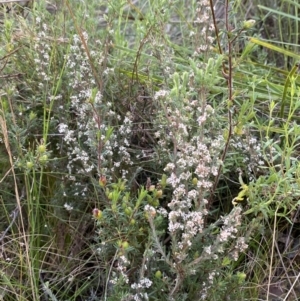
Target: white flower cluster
(142,284)
(185,126)
(240,247)
(228,232)
(194,158)
(231,223)
(42,57)
(140,287)
(203,21)
(150,210)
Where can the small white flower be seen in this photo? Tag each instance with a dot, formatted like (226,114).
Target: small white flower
(68,207)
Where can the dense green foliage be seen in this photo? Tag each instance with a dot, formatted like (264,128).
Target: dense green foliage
(149,150)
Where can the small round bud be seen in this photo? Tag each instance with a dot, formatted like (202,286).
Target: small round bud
(125,245)
(155,203)
(43,159)
(41,148)
(158,274)
(248,24)
(241,277)
(152,188)
(128,211)
(29,164)
(97,214)
(102,181)
(159,193)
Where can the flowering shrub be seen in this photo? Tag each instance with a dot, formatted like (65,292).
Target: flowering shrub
(119,141)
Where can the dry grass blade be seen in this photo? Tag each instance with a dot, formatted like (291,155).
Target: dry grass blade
(18,199)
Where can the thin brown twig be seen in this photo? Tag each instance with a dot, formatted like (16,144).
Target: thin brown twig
(215,25)
(10,53)
(228,75)
(11,75)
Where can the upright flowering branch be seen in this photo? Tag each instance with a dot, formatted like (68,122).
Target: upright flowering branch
(85,46)
(196,146)
(98,122)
